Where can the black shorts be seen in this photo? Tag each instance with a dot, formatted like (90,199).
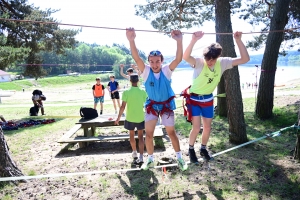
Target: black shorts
(132,125)
(115,95)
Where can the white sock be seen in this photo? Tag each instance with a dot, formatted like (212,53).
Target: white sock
(141,157)
(178,154)
(134,152)
(151,157)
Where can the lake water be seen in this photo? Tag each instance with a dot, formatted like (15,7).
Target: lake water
(182,78)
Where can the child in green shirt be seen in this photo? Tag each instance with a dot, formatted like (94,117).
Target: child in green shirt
(135,99)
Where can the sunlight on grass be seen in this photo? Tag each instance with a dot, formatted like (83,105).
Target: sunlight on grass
(31,172)
(262,170)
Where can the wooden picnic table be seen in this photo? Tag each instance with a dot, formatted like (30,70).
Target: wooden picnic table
(89,129)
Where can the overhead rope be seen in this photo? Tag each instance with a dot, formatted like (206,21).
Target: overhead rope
(271,135)
(76,65)
(113,28)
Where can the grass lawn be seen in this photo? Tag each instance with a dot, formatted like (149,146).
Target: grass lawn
(262,170)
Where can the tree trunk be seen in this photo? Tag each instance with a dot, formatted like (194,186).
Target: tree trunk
(221,101)
(297,148)
(7,166)
(237,126)
(265,96)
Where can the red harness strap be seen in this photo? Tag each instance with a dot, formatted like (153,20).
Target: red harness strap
(188,101)
(149,107)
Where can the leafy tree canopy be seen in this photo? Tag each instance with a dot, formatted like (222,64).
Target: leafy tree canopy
(36,37)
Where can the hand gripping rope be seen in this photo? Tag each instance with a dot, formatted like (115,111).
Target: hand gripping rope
(271,135)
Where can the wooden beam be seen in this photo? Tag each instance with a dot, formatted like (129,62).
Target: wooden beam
(157,133)
(70,133)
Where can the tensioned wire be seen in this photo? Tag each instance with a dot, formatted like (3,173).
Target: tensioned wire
(271,135)
(114,28)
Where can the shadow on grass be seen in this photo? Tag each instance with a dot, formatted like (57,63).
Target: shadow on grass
(262,170)
(141,184)
(107,147)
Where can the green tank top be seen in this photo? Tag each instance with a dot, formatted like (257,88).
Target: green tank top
(207,80)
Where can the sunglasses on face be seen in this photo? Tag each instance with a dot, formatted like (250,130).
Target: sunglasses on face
(155,53)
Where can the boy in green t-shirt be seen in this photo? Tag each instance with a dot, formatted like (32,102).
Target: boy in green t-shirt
(135,99)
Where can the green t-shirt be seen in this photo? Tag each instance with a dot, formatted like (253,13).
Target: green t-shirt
(135,99)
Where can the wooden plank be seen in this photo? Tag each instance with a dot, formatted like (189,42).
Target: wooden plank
(157,133)
(70,133)
(101,121)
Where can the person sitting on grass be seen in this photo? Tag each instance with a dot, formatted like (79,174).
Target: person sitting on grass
(134,98)
(98,93)
(2,118)
(161,96)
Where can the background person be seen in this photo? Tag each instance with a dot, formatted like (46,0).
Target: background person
(2,118)
(129,71)
(113,88)
(98,93)
(37,98)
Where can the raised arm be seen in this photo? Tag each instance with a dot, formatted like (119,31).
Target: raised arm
(177,35)
(130,34)
(136,69)
(187,53)
(244,56)
(121,71)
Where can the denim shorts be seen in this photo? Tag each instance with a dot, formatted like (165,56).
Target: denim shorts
(99,99)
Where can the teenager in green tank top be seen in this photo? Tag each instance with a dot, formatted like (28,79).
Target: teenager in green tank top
(207,75)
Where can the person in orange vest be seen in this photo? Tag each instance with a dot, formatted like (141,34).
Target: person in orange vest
(98,93)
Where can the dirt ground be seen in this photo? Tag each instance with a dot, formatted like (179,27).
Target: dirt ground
(50,157)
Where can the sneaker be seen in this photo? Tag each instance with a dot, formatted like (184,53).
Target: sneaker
(147,165)
(193,157)
(204,153)
(181,164)
(138,162)
(100,112)
(134,155)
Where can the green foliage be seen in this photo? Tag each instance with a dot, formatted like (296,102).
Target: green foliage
(170,15)
(68,80)
(35,37)
(261,13)
(9,55)
(86,58)
(15,85)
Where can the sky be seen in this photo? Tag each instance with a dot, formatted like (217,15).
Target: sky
(121,14)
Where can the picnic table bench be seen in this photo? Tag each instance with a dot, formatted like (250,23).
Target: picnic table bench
(89,129)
